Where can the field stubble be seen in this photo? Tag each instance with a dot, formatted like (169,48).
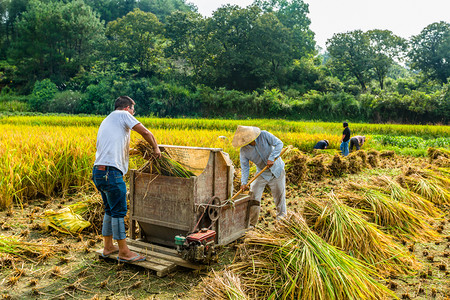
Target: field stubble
(71,269)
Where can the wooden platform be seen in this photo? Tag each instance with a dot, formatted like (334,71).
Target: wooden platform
(160,259)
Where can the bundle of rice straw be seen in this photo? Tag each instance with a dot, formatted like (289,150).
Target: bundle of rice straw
(290,261)
(316,167)
(397,218)
(17,247)
(163,166)
(439,157)
(91,209)
(372,158)
(403,195)
(348,229)
(224,286)
(426,183)
(363,155)
(296,169)
(355,163)
(338,166)
(387,153)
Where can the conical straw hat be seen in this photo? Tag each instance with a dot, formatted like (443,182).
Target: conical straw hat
(245,135)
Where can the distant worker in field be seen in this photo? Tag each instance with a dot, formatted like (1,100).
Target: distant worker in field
(357,141)
(111,164)
(323,144)
(345,139)
(262,148)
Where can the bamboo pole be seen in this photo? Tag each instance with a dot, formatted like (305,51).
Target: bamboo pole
(259,173)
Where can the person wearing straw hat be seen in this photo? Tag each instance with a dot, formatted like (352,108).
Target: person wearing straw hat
(262,148)
(111,163)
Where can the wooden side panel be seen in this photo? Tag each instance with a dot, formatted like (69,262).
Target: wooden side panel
(166,202)
(233,221)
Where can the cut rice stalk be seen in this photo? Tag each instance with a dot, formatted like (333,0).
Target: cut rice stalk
(224,286)
(348,229)
(15,246)
(428,188)
(400,194)
(397,218)
(163,166)
(293,262)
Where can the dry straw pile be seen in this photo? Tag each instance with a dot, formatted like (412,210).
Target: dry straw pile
(349,230)
(293,262)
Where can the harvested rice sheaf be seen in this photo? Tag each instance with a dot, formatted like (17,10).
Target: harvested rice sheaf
(363,155)
(397,218)
(439,157)
(349,230)
(290,261)
(372,158)
(91,209)
(296,169)
(338,166)
(431,187)
(387,153)
(316,167)
(15,246)
(163,166)
(355,163)
(223,285)
(392,188)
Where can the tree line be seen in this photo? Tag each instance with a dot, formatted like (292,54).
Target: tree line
(76,56)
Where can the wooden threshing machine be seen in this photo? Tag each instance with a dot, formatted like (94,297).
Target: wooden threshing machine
(191,215)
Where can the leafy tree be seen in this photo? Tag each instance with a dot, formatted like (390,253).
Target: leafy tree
(351,53)
(229,55)
(386,47)
(430,51)
(54,40)
(43,93)
(185,30)
(10,10)
(308,73)
(293,15)
(163,8)
(137,40)
(110,10)
(271,41)
(241,49)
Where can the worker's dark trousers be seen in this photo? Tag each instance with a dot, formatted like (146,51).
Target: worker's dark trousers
(354,142)
(114,191)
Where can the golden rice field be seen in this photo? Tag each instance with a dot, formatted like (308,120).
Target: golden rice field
(53,155)
(373,225)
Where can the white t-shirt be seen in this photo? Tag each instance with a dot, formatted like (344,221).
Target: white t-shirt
(113,140)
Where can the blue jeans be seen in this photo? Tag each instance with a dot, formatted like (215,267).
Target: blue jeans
(344,148)
(111,186)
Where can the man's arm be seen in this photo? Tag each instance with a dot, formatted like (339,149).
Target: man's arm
(149,137)
(245,170)
(278,146)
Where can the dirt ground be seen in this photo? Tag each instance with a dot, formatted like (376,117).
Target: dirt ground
(72,269)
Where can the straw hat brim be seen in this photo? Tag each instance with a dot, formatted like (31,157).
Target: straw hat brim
(245,135)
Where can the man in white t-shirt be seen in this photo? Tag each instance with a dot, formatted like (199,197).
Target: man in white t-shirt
(111,163)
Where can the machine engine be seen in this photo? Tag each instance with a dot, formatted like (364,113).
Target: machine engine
(197,247)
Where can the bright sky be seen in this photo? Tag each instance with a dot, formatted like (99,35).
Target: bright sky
(404,18)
